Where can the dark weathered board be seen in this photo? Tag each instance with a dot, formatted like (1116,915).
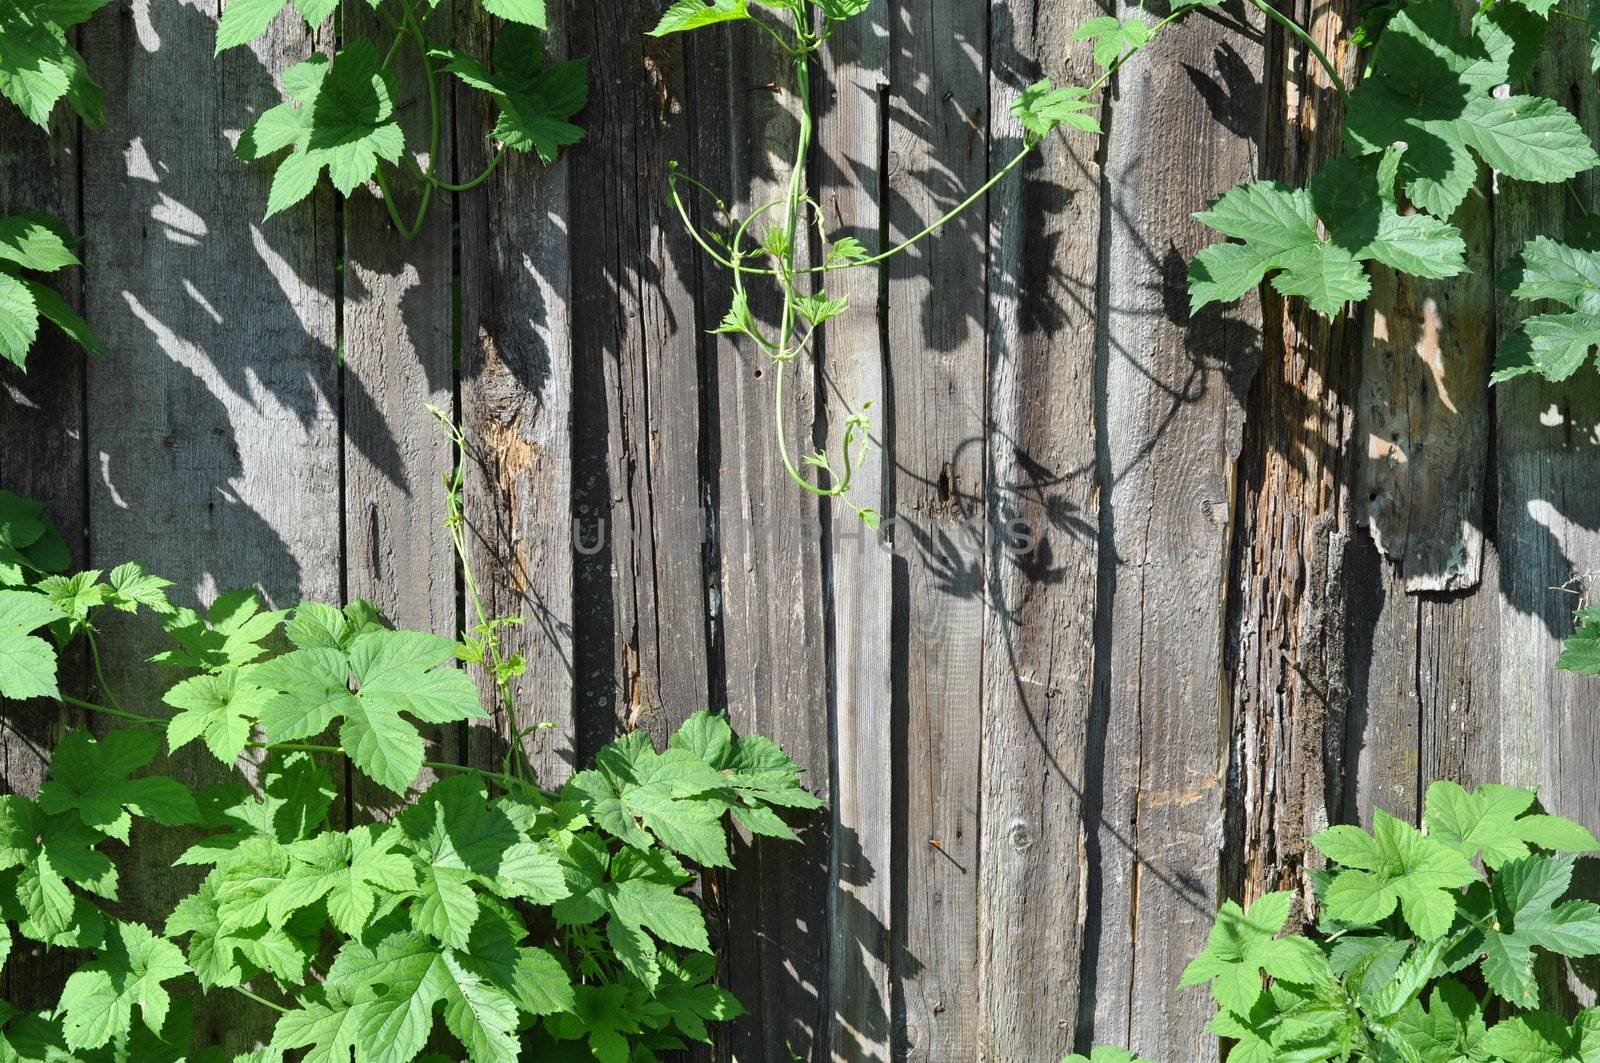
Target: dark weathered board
(640,587)
(1129,636)
(41,457)
(765,558)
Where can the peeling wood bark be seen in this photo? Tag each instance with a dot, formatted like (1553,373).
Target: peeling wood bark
(1423,416)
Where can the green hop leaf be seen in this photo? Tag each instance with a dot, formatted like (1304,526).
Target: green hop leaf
(29,544)
(98,1001)
(347,871)
(92,778)
(536,102)
(1541,1037)
(1553,345)
(1491,821)
(1113,37)
(1105,1054)
(37,243)
(339,117)
(231,633)
(382,675)
(221,707)
(641,796)
(1518,913)
(1581,652)
(1279,229)
(1450,1029)
(693,14)
(1430,86)
(38,65)
(1395,865)
(27,662)
(1041,107)
(1244,944)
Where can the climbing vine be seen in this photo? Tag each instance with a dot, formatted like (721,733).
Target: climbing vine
(1418,122)
(533,921)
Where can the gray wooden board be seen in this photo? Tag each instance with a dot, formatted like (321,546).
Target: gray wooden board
(1172,392)
(213,436)
(396,331)
(1042,556)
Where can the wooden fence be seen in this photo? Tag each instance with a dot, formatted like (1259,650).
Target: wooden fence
(1044,766)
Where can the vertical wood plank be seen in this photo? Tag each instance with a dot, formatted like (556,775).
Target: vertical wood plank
(41,458)
(768,556)
(851,138)
(1548,517)
(1041,557)
(1173,389)
(641,629)
(938,151)
(213,435)
(516,408)
(396,332)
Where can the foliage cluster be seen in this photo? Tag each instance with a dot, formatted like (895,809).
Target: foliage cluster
(550,924)
(341,115)
(1424,944)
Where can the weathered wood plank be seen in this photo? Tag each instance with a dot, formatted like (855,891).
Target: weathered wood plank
(1548,516)
(938,151)
(396,322)
(516,399)
(769,621)
(214,440)
(1042,555)
(1289,593)
(851,182)
(42,458)
(1172,393)
(641,627)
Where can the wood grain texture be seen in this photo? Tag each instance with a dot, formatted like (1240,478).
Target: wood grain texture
(939,127)
(1172,389)
(396,326)
(213,435)
(516,407)
(1042,557)
(42,458)
(769,665)
(851,138)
